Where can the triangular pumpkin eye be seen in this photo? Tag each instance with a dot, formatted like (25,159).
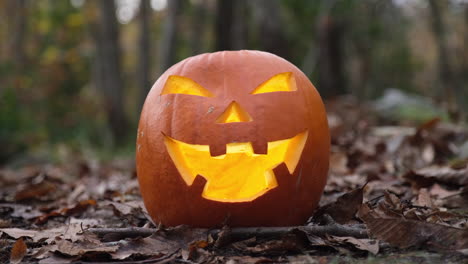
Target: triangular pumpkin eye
(283,82)
(183,85)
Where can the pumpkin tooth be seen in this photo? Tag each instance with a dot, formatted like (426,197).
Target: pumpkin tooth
(217,150)
(260,146)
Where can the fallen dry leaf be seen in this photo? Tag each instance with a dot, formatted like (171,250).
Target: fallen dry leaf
(18,232)
(18,251)
(338,163)
(56,259)
(405,233)
(142,247)
(251,260)
(35,191)
(424,128)
(163,242)
(288,243)
(71,232)
(369,245)
(440,192)
(72,251)
(428,176)
(77,209)
(424,198)
(343,209)
(79,249)
(124,208)
(21,210)
(5,223)
(458,200)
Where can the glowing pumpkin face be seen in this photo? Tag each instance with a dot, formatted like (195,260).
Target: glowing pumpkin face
(240,135)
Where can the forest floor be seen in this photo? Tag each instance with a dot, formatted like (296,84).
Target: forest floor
(396,193)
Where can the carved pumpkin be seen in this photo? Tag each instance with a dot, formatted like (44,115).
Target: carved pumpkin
(236,137)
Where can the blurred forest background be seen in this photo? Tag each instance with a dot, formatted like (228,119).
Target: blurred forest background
(74,73)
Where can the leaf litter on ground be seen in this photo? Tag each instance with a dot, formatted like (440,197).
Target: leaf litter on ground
(397,188)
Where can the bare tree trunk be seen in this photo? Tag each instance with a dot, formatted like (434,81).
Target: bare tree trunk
(359,77)
(198,27)
(447,84)
(105,31)
(463,73)
(466,38)
(272,38)
(144,64)
(231,24)
(169,38)
(224,24)
(362,88)
(311,56)
(239,27)
(330,58)
(16,19)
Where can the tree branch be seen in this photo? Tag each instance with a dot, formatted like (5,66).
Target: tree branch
(357,231)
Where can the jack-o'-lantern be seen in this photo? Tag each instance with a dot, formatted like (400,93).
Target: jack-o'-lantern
(235,137)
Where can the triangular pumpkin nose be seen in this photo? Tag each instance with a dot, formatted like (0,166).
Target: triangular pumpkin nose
(234,113)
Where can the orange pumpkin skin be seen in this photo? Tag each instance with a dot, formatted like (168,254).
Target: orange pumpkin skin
(232,76)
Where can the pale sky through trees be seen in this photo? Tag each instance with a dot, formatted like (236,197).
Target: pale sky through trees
(127,9)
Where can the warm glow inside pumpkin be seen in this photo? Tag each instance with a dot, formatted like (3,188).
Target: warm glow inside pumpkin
(234,113)
(240,175)
(283,82)
(236,136)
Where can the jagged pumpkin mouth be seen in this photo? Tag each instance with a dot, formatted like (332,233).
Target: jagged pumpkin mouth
(240,175)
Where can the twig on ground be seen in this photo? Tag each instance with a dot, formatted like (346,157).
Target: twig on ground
(356,231)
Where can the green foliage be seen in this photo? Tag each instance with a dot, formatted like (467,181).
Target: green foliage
(419,113)
(45,100)
(51,98)
(12,122)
